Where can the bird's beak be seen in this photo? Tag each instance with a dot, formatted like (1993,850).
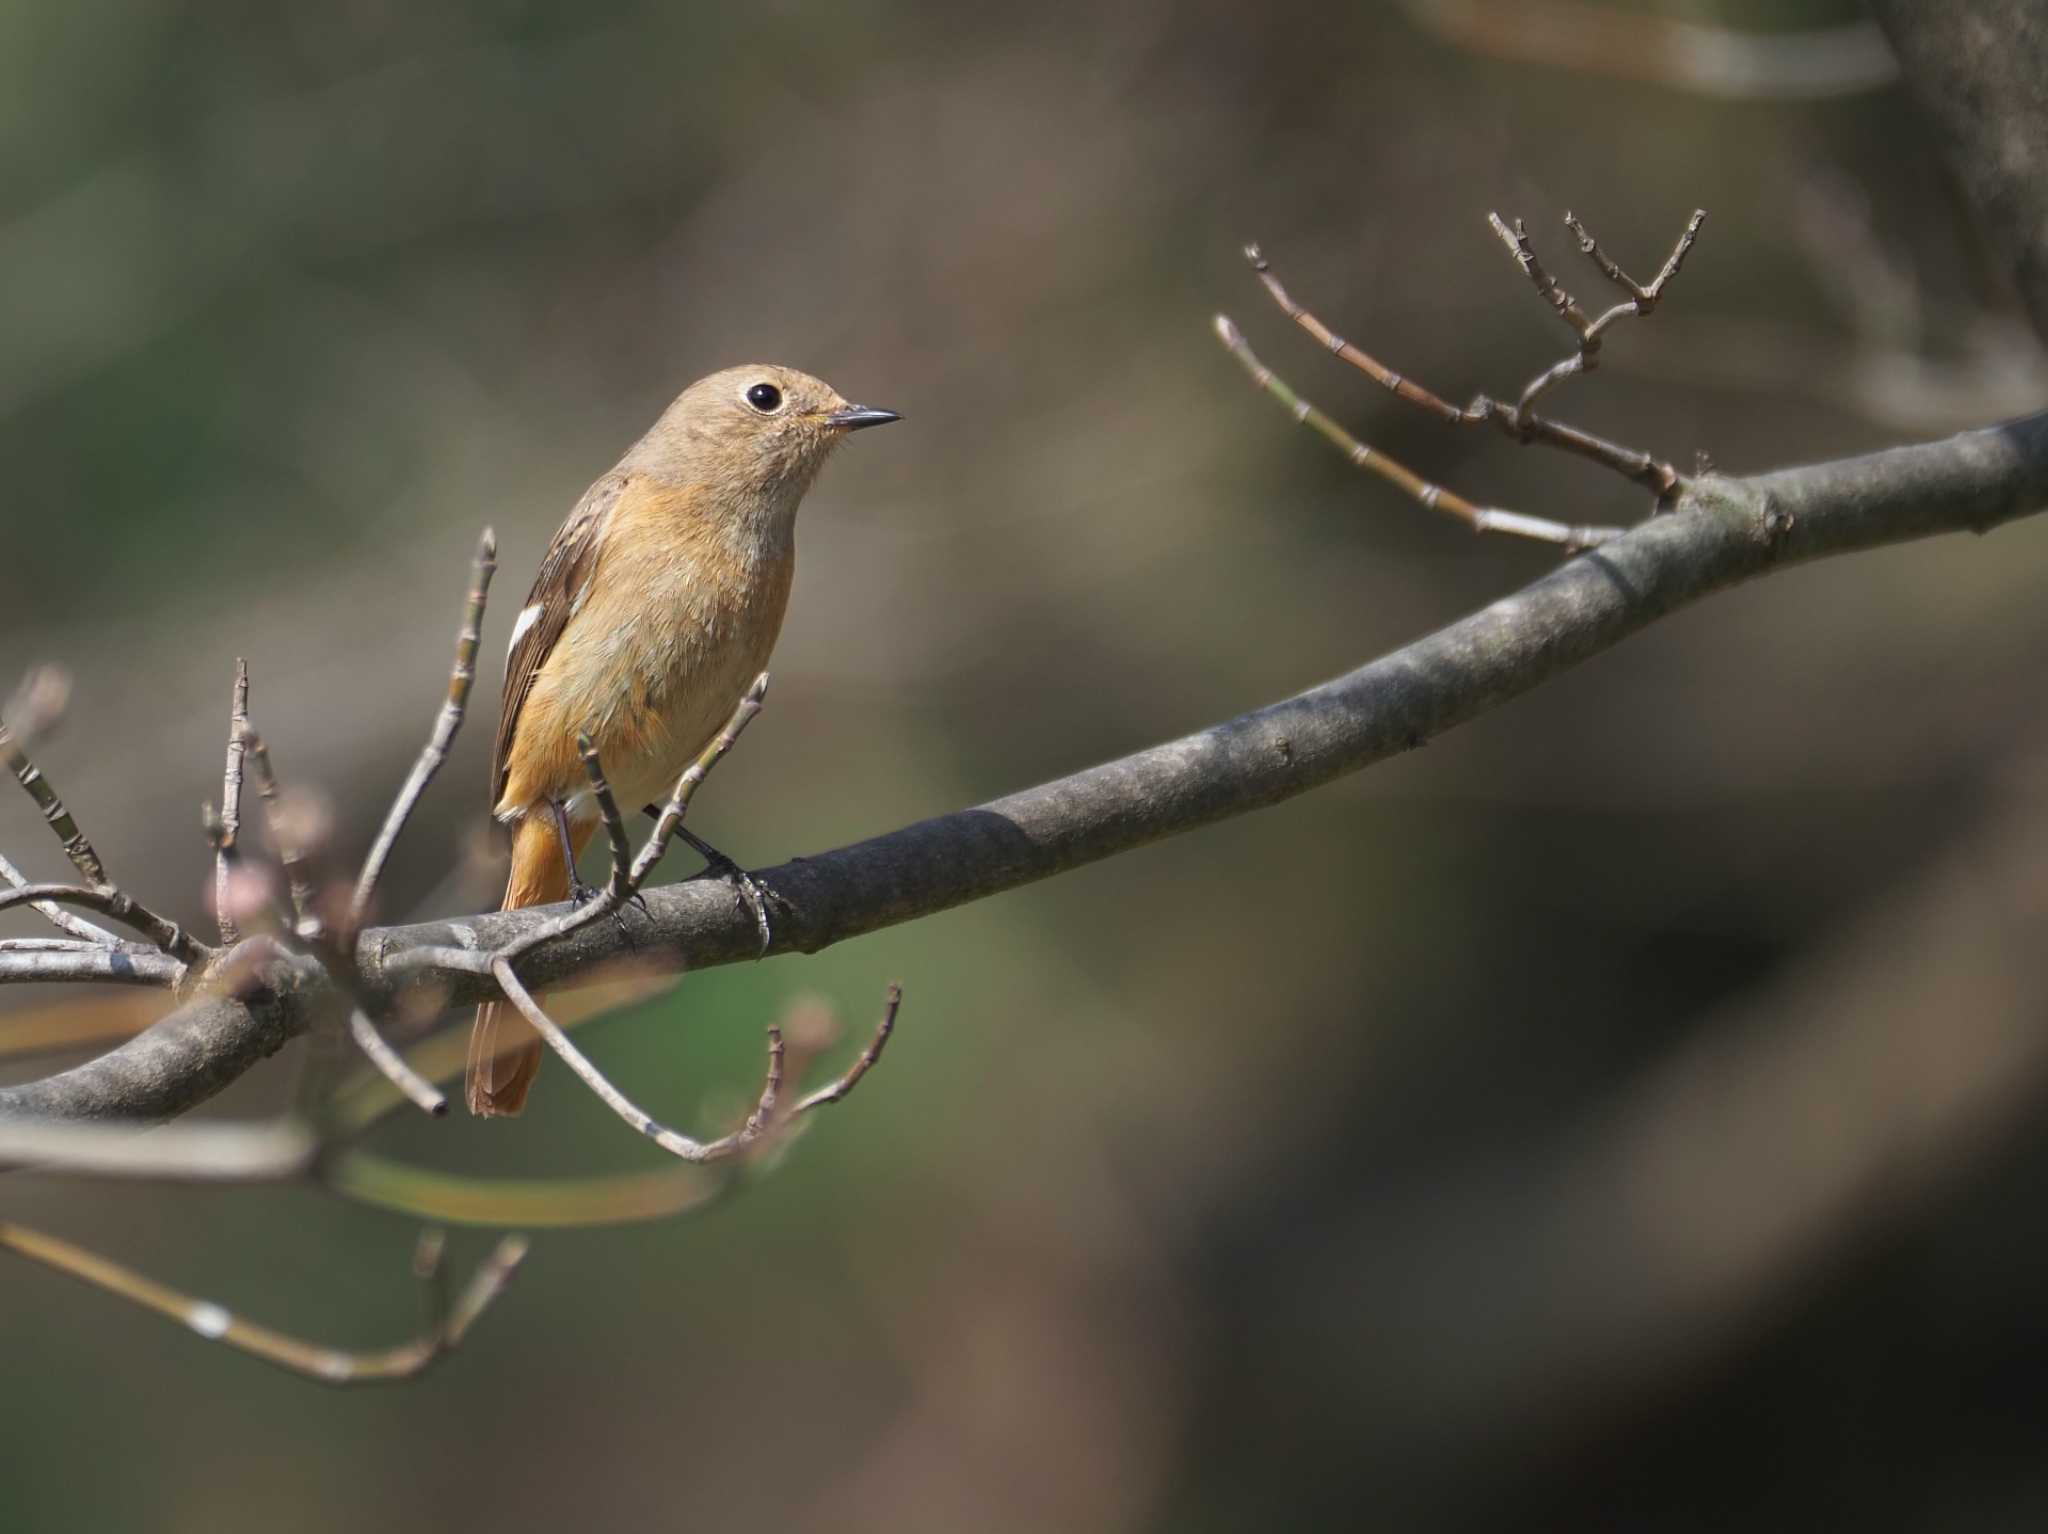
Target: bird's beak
(854,417)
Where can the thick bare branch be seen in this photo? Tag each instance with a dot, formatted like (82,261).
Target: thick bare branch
(1722,532)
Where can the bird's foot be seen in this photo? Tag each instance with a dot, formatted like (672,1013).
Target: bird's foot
(581,894)
(747,890)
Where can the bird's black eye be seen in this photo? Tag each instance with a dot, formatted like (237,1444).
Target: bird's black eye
(765,397)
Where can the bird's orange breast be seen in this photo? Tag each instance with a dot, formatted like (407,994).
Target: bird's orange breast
(679,615)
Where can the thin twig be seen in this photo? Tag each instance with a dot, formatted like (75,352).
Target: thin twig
(1645,298)
(446,723)
(656,846)
(699,1152)
(76,847)
(333,1366)
(109,901)
(104,896)
(1518,421)
(60,918)
(283,842)
(1481,519)
(1640,302)
(231,806)
(1395,383)
(421,1092)
(49,945)
(869,1057)
(1552,291)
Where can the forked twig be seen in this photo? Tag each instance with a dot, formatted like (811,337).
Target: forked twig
(60,918)
(1520,420)
(443,1330)
(759,1123)
(1640,302)
(1481,519)
(109,901)
(1645,298)
(446,723)
(104,896)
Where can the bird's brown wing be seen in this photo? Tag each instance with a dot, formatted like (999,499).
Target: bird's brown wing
(558,590)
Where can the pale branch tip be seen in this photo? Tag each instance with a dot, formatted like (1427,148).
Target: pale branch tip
(421,1093)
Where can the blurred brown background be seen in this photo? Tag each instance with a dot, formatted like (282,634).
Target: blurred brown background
(1622,1111)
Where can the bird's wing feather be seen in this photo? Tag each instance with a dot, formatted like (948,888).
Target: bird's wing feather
(565,572)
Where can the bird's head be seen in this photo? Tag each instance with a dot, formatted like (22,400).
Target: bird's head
(759,429)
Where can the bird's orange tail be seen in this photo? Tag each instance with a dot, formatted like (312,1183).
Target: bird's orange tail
(504,1051)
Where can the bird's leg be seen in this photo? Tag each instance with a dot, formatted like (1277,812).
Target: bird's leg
(746,888)
(579,892)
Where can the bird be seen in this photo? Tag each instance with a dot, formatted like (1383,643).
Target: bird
(657,604)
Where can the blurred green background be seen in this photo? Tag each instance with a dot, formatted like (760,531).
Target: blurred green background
(1623,1111)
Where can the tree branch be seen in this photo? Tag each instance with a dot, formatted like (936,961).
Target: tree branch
(1722,532)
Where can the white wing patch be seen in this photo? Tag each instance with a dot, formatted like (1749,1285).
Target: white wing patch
(527,619)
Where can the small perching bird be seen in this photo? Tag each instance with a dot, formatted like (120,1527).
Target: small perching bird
(656,605)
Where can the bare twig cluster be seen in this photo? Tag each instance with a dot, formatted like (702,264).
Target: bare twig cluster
(1520,420)
(293,926)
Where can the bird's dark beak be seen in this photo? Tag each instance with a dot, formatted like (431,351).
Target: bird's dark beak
(854,417)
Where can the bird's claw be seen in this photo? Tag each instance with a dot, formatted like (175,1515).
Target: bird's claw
(747,891)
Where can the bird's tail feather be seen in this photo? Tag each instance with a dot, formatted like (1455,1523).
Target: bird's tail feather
(504,1050)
